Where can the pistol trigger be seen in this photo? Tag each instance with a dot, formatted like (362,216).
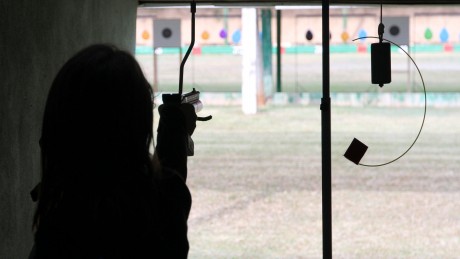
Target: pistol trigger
(204,118)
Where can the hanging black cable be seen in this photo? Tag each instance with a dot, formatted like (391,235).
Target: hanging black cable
(381,28)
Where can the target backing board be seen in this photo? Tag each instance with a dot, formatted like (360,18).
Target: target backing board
(397,29)
(166,33)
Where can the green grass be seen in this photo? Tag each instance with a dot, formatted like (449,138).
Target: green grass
(256,184)
(350,72)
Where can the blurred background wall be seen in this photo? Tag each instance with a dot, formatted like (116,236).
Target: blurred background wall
(352,20)
(36,38)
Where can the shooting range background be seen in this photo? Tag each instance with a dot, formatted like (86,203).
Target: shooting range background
(296,23)
(258,178)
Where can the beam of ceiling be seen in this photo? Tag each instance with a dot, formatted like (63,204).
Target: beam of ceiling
(296,2)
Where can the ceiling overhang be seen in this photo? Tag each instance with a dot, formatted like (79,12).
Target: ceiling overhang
(296,2)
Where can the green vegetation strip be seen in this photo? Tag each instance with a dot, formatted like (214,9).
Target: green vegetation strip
(339,48)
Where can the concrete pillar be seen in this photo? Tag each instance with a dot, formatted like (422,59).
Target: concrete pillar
(36,38)
(250,73)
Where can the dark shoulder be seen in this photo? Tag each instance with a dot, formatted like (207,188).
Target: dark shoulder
(112,217)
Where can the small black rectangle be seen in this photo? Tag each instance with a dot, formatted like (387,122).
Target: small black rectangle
(355,151)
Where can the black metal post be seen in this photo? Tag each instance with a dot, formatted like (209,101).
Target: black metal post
(326,138)
(278,51)
(190,48)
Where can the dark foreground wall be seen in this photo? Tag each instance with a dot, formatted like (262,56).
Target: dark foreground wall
(36,38)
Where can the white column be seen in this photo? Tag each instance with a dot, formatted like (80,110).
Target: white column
(249,51)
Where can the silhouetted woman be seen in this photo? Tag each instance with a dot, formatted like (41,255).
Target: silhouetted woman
(102,195)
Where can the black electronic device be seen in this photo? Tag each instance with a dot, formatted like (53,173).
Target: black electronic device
(381,74)
(356,151)
(381,63)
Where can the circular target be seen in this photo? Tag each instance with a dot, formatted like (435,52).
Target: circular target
(344,36)
(362,35)
(309,35)
(394,30)
(166,33)
(145,35)
(428,34)
(444,35)
(223,34)
(236,36)
(205,35)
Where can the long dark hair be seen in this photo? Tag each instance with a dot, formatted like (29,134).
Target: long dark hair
(97,123)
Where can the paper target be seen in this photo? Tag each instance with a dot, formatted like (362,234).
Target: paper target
(397,29)
(428,34)
(309,35)
(166,34)
(223,34)
(444,35)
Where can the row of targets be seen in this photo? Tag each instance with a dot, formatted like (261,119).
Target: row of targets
(345,36)
(205,35)
(393,31)
(396,29)
(443,35)
(223,34)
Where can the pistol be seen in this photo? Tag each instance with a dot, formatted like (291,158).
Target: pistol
(192,98)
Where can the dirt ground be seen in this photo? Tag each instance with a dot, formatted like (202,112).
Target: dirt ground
(256,184)
(256,180)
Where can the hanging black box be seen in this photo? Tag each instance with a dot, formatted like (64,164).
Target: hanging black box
(381,63)
(355,151)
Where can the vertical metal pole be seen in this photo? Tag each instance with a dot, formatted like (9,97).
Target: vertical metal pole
(326,138)
(267,77)
(155,71)
(226,24)
(278,51)
(180,55)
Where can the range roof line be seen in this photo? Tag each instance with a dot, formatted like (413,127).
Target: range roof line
(241,3)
